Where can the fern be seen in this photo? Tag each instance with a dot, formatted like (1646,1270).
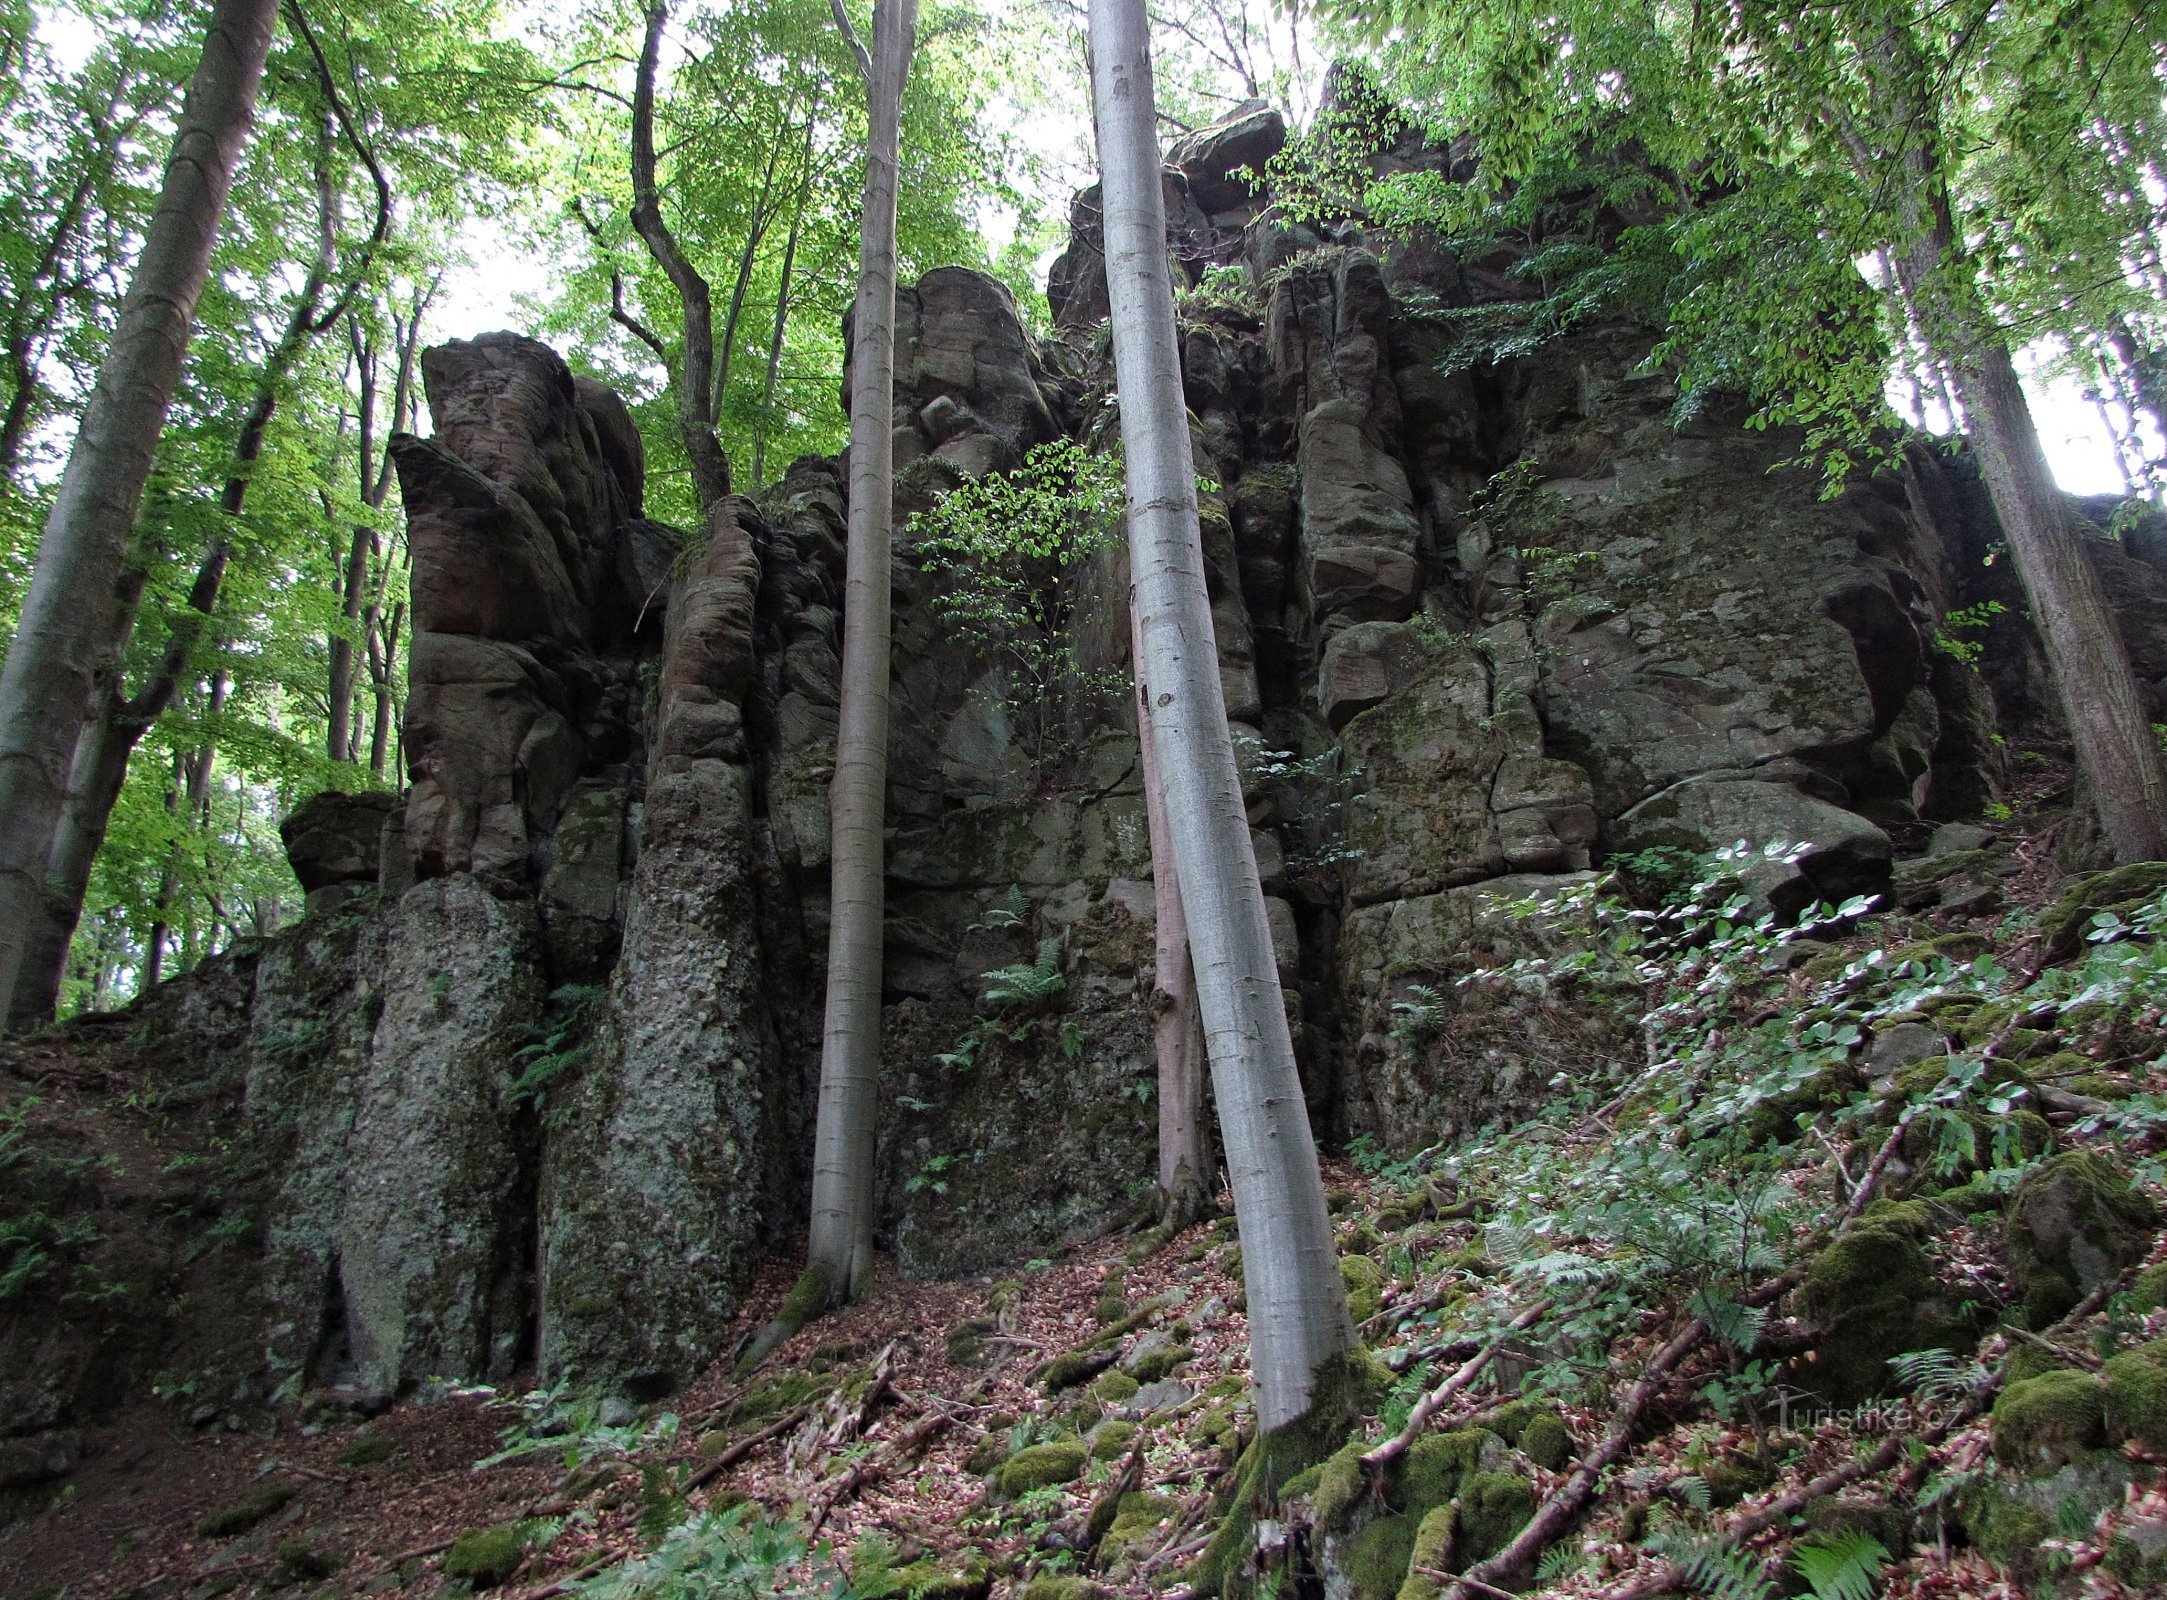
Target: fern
(1720,1570)
(1841,1566)
(1936,1374)
(1559,1562)
(1693,1490)
(1028,985)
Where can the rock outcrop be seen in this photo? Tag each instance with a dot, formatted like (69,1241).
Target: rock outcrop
(534,1078)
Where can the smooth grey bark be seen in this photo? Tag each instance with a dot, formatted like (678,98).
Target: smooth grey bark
(68,636)
(1177,1026)
(1297,1304)
(841,1245)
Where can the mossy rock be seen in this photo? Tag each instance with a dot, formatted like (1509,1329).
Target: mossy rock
(2134,1399)
(1871,1293)
(1038,1465)
(2123,891)
(1839,1514)
(1110,1308)
(295,1560)
(1053,1588)
(2005,1530)
(1225,1389)
(1778,1117)
(369,1450)
(989,1453)
(2044,1423)
(1214,1425)
(1375,1561)
(1734,1477)
(783,1393)
(2010,1519)
(1365,1281)
(259,1503)
(2100,1086)
(2073,1224)
(1435,1550)
(1494,1506)
(1159,1363)
(1547,1442)
(1335,1486)
(1004,1294)
(1137,1517)
(1110,1439)
(929,1580)
(1114,1387)
(2148,1290)
(1958,949)
(487,1556)
(1072,1367)
(2029,1361)
(1431,1471)
(1985,1020)
(966,1342)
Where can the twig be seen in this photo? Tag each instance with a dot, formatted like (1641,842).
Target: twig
(563,1585)
(874,1468)
(1429,1405)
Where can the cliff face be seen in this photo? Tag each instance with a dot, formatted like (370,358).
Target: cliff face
(535,1077)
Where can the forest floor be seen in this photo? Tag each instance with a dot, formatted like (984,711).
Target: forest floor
(1620,1331)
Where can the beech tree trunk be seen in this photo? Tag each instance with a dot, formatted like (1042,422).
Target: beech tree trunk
(67,640)
(841,1250)
(1177,1027)
(1298,1321)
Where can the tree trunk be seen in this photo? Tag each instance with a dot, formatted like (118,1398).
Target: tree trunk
(1178,1028)
(696,364)
(841,1250)
(63,645)
(2115,745)
(1298,1319)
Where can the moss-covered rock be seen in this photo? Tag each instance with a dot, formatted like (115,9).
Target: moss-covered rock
(2134,1395)
(2123,891)
(781,1394)
(1365,1281)
(1110,1439)
(928,1580)
(1336,1486)
(1114,1387)
(295,1560)
(1138,1516)
(1072,1367)
(2073,1224)
(1430,1473)
(487,1556)
(1494,1506)
(1547,1442)
(2148,1290)
(1436,1536)
(369,1450)
(989,1453)
(1110,1308)
(1871,1294)
(1046,1587)
(1159,1363)
(1036,1466)
(966,1341)
(1734,1477)
(2043,1423)
(1376,1560)
(259,1503)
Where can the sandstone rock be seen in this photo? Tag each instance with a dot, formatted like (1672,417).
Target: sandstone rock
(1841,853)
(1248,136)
(336,838)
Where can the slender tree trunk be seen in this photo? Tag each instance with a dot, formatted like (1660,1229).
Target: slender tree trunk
(842,1218)
(1178,1028)
(58,658)
(696,364)
(1298,1319)
(782,305)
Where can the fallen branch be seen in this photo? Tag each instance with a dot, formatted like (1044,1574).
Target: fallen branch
(875,1467)
(563,1585)
(745,1447)
(1430,1404)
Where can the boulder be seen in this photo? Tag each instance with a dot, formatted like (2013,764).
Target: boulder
(1215,157)
(336,838)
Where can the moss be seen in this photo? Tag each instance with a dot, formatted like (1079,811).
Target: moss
(1225,1389)
(808,1298)
(2044,1422)
(1493,1507)
(1115,1387)
(1365,1281)
(2029,1361)
(785,1392)
(2073,1224)
(1161,1362)
(2102,1087)
(1546,1441)
(1110,1308)
(1430,1473)
(486,1556)
(928,1580)
(1871,1293)
(1038,1465)
(1135,1519)
(1734,1477)
(1342,1390)
(2122,891)
(1434,1551)
(2006,1530)
(298,1561)
(1072,1367)
(2134,1395)
(369,1450)
(1051,1588)
(262,1500)
(1004,1294)
(1335,1486)
(1376,1559)
(2148,1291)
(1213,1425)
(966,1341)
(1954,948)
(1111,1439)
(990,1452)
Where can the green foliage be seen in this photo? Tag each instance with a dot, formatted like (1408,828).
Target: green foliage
(1841,1566)
(1949,633)
(1721,1571)
(562,1040)
(1028,985)
(561,1422)
(1013,549)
